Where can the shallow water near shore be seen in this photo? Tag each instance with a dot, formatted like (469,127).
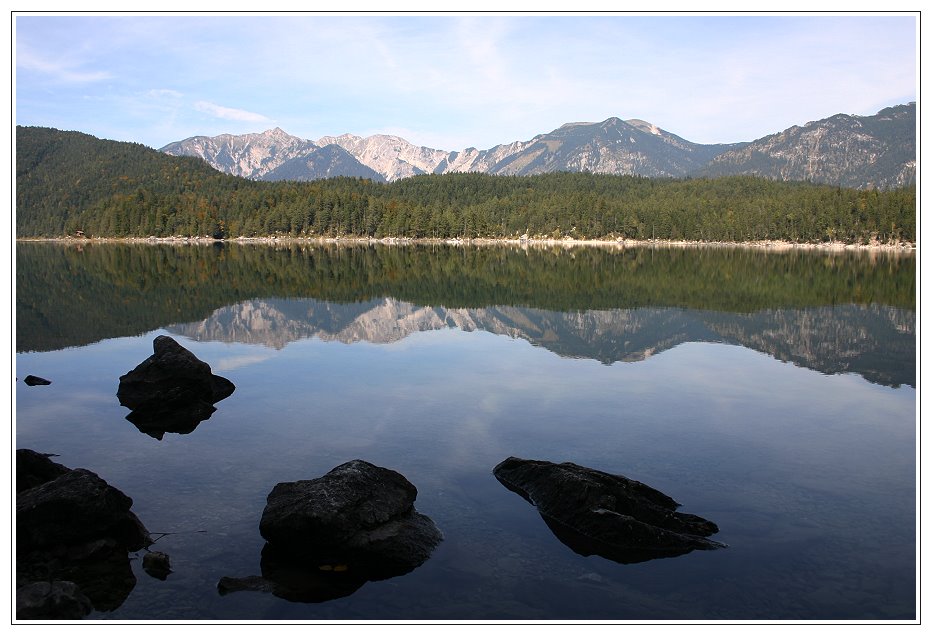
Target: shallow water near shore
(773,394)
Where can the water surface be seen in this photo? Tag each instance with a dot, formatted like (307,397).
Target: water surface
(771,393)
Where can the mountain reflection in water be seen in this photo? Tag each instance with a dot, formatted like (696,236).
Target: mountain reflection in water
(875,342)
(831,312)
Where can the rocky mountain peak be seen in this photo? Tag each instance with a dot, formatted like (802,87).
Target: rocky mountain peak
(280,135)
(345,138)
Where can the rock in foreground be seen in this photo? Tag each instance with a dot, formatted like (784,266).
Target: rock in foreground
(56,600)
(171,390)
(612,516)
(327,536)
(74,533)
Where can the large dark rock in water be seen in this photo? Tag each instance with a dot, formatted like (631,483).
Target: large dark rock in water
(326,537)
(171,390)
(74,533)
(76,508)
(34,469)
(612,516)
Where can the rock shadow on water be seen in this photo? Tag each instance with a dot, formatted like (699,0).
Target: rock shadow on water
(171,391)
(327,537)
(74,535)
(597,513)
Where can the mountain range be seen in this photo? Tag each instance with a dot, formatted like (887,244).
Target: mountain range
(876,151)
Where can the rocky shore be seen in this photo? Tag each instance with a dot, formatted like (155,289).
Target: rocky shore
(538,242)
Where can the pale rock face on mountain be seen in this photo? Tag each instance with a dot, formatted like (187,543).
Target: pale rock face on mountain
(644,126)
(472,160)
(846,150)
(392,157)
(252,156)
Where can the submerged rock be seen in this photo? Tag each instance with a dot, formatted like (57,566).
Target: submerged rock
(157,565)
(612,516)
(326,537)
(72,529)
(171,390)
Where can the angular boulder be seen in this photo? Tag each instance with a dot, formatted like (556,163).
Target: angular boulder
(357,512)
(594,512)
(328,536)
(171,390)
(73,509)
(74,533)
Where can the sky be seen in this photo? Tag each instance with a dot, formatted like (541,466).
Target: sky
(454,81)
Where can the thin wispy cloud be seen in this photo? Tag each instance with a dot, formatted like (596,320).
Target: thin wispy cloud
(61,70)
(232,114)
(164,93)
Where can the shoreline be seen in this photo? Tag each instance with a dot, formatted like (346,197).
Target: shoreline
(772,245)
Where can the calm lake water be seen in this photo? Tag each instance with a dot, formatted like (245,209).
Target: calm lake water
(773,394)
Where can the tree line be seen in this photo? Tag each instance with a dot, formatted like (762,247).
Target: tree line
(68,182)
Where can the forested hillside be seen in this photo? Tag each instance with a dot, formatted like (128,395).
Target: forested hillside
(68,182)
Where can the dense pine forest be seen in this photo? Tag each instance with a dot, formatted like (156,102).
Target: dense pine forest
(69,182)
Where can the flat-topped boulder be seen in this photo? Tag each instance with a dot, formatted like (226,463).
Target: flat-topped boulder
(327,536)
(171,390)
(594,512)
(356,512)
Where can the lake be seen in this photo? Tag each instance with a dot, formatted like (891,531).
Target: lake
(772,393)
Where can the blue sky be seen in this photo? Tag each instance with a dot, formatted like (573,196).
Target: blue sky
(453,81)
